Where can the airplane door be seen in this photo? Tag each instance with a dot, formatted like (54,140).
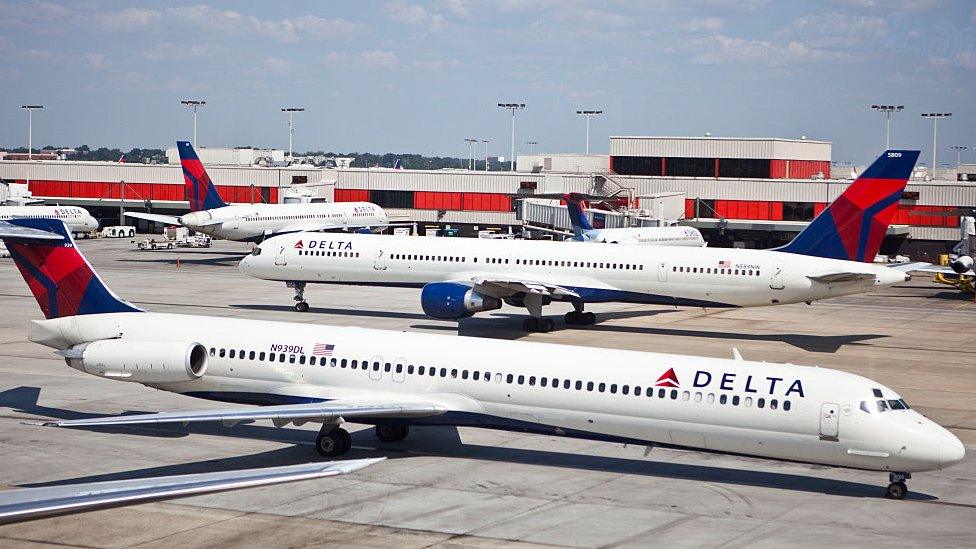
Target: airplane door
(829,421)
(398,370)
(380,262)
(776,281)
(376,368)
(662,271)
(280,259)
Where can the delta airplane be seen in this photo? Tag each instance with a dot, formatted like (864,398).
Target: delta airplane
(583,230)
(77,219)
(463,277)
(209,214)
(299,373)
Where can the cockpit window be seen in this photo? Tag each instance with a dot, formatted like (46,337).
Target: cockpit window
(897,404)
(905,404)
(882,405)
(864,407)
(256,251)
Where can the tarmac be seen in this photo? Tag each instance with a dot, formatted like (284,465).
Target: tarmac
(448,487)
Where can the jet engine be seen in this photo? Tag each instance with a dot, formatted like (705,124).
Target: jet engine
(961,264)
(450,301)
(140,361)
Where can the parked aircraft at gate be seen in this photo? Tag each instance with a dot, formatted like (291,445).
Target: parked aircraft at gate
(209,214)
(77,219)
(301,373)
(583,230)
(461,277)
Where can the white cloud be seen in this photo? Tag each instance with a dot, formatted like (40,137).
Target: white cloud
(710,24)
(294,29)
(837,24)
(128,19)
(414,15)
(891,5)
(720,49)
(95,61)
(276,66)
(169,51)
(363,59)
(41,56)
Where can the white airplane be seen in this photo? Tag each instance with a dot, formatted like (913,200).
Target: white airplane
(209,214)
(461,277)
(583,230)
(961,261)
(77,219)
(300,373)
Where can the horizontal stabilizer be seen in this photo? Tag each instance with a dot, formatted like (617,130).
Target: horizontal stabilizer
(31,503)
(9,230)
(828,278)
(332,409)
(168,219)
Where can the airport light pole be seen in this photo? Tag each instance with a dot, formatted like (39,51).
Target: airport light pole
(194,104)
(512,107)
(887,110)
(30,134)
(935,116)
(291,125)
(531,145)
(958,149)
(470,141)
(588,115)
(486,141)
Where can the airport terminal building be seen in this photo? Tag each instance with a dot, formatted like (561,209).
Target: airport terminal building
(746,192)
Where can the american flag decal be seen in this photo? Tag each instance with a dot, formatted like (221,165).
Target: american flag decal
(322,349)
(725,264)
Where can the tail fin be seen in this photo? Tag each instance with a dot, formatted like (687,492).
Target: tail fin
(61,279)
(200,191)
(853,226)
(581,224)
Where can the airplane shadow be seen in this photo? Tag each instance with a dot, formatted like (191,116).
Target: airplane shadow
(224,260)
(811,343)
(442,442)
(333,311)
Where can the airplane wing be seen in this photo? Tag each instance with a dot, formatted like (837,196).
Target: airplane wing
(31,503)
(939,269)
(168,219)
(828,278)
(502,287)
(280,415)
(9,230)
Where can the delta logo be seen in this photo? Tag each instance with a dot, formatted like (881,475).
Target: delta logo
(299,245)
(668,379)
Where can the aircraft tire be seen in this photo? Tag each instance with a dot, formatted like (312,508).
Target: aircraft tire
(897,490)
(302,306)
(391,433)
(545,325)
(572,318)
(530,324)
(332,443)
(588,318)
(346,440)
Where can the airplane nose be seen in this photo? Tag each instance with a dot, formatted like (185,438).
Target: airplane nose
(245,265)
(951,451)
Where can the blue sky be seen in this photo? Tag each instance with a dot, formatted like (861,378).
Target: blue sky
(407,76)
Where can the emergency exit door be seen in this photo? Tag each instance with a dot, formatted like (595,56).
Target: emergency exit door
(829,421)
(662,271)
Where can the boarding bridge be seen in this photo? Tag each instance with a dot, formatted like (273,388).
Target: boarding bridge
(660,210)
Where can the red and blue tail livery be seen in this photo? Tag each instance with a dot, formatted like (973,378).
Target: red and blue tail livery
(200,191)
(60,278)
(579,221)
(854,225)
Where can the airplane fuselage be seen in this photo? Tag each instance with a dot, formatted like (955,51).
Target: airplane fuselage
(652,236)
(779,411)
(77,219)
(635,274)
(255,221)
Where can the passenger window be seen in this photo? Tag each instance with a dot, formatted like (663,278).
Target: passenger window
(261,356)
(354,365)
(661,393)
(685,395)
(443,372)
(698,397)
(722,399)
(674,394)
(453,373)
(420,370)
(521,380)
(409,369)
(532,380)
(399,368)
(213,351)
(589,385)
(625,390)
(637,390)
(735,400)
(291,359)
(222,352)
(231,355)
(760,403)
(711,398)
(301,359)
(498,378)
(786,406)
(250,356)
(613,388)
(475,375)
(542,382)
(747,402)
(603,387)
(773,404)
(333,362)
(343,363)
(508,378)
(579,385)
(376,366)
(464,374)
(281,358)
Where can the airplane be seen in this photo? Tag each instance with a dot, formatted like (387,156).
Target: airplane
(18,505)
(299,373)
(209,214)
(959,272)
(583,230)
(463,277)
(77,219)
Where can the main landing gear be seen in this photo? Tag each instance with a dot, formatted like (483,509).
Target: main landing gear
(897,489)
(533,324)
(391,433)
(332,441)
(300,304)
(578,317)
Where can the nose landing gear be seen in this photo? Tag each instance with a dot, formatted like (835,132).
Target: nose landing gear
(897,489)
(300,304)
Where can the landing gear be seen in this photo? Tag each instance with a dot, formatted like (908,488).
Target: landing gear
(300,304)
(391,433)
(578,317)
(533,324)
(897,489)
(332,441)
